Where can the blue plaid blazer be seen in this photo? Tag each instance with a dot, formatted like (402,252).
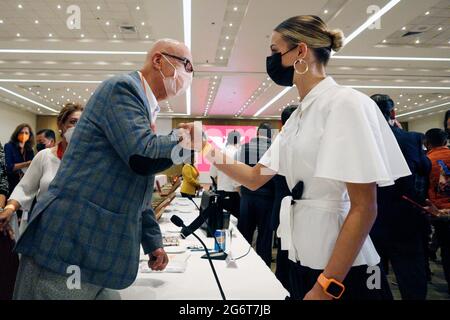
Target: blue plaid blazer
(97,210)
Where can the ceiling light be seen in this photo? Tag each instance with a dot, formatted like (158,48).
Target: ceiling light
(215,77)
(325,11)
(114,36)
(142,23)
(421,110)
(1,21)
(98,7)
(439,97)
(36,21)
(82,35)
(227,37)
(440,28)
(50,35)
(417,41)
(138,8)
(146,36)
(19,6)
(404,28)
(107,23)
(221,58)
(427,13)
(27,99)
(224,48)
(235,8)
(388,58)
(384,41)
(58,6)
(230,24)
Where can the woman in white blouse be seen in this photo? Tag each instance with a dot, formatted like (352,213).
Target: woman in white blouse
(339,145)
(43,168)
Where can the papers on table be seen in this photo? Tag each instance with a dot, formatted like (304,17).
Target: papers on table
(177,264)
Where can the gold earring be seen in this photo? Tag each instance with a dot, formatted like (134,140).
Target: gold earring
(301,61)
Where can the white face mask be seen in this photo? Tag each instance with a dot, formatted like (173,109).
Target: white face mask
(170,83)
(68,134)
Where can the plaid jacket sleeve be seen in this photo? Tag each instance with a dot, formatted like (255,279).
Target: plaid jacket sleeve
(127,127)
(151,237)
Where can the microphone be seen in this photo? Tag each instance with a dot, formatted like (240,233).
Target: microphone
(188,230)
(176,220)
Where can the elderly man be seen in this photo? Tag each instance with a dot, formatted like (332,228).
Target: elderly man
(85,234)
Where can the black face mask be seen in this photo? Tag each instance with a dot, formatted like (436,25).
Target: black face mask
(40,146)
(282,76)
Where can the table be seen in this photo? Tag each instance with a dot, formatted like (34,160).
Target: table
(251,280)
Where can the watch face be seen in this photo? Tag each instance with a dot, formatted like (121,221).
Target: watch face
(334,289)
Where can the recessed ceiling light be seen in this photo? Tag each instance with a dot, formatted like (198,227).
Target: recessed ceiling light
(18,35)
(19,6)
(404,28)
(230,24)
(58,6)
(49,89)
(227,37)
(221,58)
(146,36)
(87,90)
(51,99)
(427,13)
(37,92)
(440,29)
(224,48)
(107,23)
(384,41)
(400,95)
(417,41)
(142,23)
(439,97)
(325,11)
(36,21)
(98,7)
(114,36)
(398,102)
(420,96)
(82,35)
(235,8)
(215,77)
(138,8)
(1,21)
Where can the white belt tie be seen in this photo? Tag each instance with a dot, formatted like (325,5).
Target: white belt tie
(285,228)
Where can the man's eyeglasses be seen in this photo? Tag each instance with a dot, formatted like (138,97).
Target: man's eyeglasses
(186,62)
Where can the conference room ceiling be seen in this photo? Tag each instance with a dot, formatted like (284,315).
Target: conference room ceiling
(45,63)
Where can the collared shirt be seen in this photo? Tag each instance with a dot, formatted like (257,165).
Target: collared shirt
(337,135)
(152,102)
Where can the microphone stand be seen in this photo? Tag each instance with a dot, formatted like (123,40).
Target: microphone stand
(179,223)
(219,255)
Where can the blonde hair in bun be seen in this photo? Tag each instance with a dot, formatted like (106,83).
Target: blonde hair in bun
(314,32)
(337,38)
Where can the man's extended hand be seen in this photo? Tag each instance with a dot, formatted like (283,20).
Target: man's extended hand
(158,260)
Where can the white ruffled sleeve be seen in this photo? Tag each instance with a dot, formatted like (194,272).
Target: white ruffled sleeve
(358,145)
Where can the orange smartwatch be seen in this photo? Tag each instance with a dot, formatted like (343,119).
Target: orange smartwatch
(331,287)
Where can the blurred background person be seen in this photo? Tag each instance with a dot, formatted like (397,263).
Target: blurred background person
(42,169)
(45,138)
(9,261)
(227,188)
(256,206)
(191,183)
(398,231)
(447,124)
(281,189)
(439,191)
(19,153)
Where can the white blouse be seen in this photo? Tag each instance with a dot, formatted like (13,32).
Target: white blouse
(337,135)
(37,179)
